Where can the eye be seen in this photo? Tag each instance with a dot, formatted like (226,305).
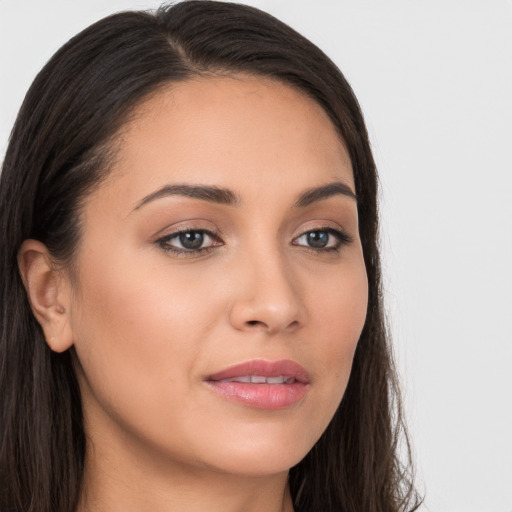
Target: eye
(189,241)
(324,239)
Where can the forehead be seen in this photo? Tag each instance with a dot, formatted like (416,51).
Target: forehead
(239,132)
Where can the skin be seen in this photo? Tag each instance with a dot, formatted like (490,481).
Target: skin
(150,325)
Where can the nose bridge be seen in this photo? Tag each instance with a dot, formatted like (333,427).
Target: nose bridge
(267,297)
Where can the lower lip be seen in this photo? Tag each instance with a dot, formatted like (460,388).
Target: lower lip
(261,396)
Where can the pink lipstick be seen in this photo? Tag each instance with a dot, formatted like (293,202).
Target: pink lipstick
(262,384)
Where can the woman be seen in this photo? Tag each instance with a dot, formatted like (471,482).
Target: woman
(191,311)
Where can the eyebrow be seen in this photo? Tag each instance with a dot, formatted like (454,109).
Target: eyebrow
(228,197)
(206,193)
(324,192)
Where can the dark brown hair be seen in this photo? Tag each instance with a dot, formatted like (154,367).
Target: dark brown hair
(59,151)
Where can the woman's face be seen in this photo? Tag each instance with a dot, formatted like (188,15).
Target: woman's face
(225,235)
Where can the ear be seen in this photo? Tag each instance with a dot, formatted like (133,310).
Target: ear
(48,292)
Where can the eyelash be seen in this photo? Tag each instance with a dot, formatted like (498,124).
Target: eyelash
(342,237)
(164,242)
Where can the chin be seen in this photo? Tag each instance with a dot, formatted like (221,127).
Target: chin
(259,464)
(263,453)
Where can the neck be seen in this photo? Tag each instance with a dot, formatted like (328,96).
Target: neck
(124,481)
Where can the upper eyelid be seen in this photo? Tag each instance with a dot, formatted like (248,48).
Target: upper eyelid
(174,234)
(169,232)
(165,243)
(325,227)
(188,229)
(217,233)
(340,234)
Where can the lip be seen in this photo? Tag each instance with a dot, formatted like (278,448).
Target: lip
(262,395)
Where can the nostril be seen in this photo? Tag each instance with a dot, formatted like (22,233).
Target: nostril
(260,324)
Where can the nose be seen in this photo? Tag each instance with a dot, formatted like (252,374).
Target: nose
(266,296)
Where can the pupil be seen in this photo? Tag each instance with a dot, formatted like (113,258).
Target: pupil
(191,239)
(318,239)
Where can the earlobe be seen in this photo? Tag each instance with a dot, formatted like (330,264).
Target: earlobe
(48,294)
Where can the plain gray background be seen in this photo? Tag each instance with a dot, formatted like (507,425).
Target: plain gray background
(434,79)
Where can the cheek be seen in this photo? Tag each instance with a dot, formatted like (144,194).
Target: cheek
(342,303)
(139,325)
(340,315)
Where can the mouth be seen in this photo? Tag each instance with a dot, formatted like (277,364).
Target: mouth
(262,384)
(260,379)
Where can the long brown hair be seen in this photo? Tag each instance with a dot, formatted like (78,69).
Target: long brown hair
(59,151)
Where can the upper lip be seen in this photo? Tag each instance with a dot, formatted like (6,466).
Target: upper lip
(285,368)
